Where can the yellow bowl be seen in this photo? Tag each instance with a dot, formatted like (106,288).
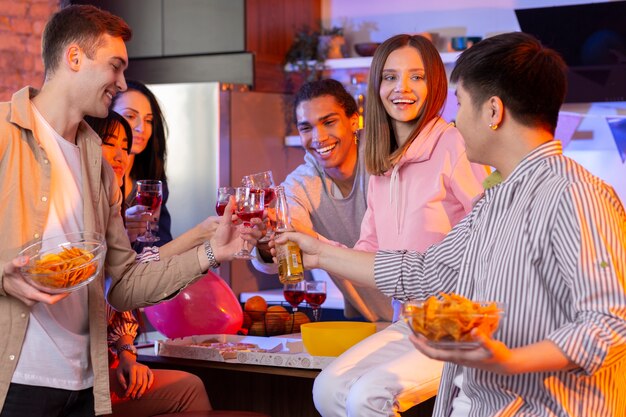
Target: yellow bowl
(332,338)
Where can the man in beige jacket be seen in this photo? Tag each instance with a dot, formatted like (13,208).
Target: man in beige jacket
(53,350)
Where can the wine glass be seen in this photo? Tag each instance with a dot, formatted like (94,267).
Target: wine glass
(250,203)
(315,295)
(149,194)
(223,196)
(265,181)
(294,293)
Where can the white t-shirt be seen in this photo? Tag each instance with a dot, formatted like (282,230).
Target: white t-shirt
(461,404)
(56,348)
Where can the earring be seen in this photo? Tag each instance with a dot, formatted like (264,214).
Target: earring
(493,126)
(356,138)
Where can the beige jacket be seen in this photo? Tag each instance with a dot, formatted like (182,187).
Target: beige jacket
(24,188)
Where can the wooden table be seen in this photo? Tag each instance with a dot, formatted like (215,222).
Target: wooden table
(277,391)
(274,390)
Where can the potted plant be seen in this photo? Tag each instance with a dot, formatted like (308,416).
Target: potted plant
(302,57)
(331,43)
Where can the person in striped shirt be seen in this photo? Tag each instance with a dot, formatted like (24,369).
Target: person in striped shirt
(547,240)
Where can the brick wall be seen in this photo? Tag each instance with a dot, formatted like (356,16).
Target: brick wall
(21,24)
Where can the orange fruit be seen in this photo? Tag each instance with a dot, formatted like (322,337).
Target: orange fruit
(247,320)
(257,329)
(256,306)
(275,319)
(293,323)
(278,311)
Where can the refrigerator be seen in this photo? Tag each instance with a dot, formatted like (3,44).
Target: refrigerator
(217,133)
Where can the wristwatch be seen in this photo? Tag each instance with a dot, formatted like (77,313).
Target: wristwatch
(127,347)
(213,263)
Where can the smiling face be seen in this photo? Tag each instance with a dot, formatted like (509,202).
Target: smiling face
(115,151)
(101,78)
(403,89)
(327,132)
(135,107)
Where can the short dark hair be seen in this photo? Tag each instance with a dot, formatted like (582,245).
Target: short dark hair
(83,24)
(150,163)
(106,126)
(326,87)
(381,149)
(530,79)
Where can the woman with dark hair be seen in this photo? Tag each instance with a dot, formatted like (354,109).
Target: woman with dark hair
(140,108)
(161,391)
(117,141)
(421,185)
(131,381)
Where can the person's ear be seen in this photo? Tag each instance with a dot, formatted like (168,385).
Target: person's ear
(74,56)
(495,109)
(354,122)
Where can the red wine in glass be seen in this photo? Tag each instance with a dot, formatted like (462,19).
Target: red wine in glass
(294,297)
(264,181)
(270,195)
(315,295)
(220,208)
(223,197)
(150,199)
(246,216)
(250,204)
(149,194)
(315,299)
(294,294)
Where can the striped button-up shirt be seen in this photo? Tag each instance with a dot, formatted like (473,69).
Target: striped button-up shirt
(548,242)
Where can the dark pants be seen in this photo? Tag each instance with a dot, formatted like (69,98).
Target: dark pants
(32,401)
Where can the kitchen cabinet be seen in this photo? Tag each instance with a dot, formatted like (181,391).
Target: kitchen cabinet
(185,40)
(232,41)
(145,19)
(165,28)
(192,27)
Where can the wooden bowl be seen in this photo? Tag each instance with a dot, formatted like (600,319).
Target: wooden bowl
(366,48)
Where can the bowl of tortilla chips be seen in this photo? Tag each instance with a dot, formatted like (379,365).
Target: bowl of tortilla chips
(64,263)
(447,321)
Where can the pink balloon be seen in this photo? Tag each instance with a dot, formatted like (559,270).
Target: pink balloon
(208,306)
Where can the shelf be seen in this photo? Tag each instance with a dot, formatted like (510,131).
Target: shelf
(365,62)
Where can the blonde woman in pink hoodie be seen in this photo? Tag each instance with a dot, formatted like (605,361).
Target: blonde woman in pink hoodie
(422,184)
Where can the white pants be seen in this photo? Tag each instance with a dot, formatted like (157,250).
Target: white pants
(380,376)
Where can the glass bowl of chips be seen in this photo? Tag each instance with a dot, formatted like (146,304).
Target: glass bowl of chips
(447,321)
(64,263)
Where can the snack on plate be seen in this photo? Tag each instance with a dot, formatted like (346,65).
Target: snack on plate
(64,269)
(229,350)
(451,318)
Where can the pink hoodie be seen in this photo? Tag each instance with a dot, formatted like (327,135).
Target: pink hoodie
(428,191)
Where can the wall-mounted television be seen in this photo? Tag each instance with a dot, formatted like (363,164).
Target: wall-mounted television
(591,38)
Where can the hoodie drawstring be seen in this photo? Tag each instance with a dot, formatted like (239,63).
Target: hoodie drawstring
(394,190)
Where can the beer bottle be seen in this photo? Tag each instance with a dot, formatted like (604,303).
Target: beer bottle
(289,255)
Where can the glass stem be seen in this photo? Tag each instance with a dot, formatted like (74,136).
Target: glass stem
(316,314)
